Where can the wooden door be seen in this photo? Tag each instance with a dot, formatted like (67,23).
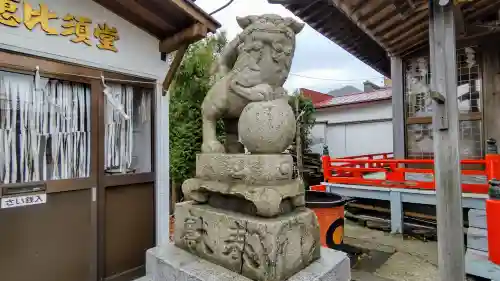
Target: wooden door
(48,226)
(95,223)
(126,195)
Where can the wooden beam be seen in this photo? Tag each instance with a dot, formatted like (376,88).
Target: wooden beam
(447,168)
(406,37)
(134,16)
(359,20)
(406,47)
(394,15)
(478,12)
(299,12)
(196,13)
(398,27)
(187,36)
(145,14)
(359,6)
(315,14)
(377,9)
(173,67)
(459,20)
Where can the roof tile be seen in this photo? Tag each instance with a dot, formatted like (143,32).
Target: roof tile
(382,94)
(316,97)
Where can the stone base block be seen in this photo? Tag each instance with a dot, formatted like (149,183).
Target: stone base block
(247,168)
(169,263)
(254,184)
(263,249)
(258,200)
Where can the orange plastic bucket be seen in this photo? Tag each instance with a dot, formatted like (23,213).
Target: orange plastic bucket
(329,209)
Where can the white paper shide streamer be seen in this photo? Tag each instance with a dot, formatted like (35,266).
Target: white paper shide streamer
(119,128)
(44,128)
(126,122)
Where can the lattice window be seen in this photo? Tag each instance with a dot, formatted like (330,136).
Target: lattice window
(420,140)
(419,106)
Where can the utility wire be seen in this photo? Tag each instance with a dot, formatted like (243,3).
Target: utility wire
(293,74)
(338,80)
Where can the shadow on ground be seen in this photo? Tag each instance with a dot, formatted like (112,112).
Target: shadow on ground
(379,256)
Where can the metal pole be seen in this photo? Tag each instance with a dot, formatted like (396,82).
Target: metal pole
(446,141)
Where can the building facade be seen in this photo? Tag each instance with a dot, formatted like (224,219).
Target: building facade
(83,122)
(352,125)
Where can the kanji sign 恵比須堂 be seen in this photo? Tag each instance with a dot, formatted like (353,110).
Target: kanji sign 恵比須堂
(77,28)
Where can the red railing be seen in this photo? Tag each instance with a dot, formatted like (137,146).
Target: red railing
(379,156)
(353,170)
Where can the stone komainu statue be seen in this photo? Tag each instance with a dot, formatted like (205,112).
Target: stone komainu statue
(254,66)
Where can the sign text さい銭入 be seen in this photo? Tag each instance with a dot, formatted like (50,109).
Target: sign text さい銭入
(23,200)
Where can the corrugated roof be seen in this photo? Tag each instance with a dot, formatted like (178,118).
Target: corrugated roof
(316,97)
(382,94)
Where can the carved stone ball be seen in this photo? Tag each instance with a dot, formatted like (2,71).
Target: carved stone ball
(267,126)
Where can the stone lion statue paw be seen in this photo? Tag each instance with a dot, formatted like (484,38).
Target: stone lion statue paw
(212,147)
(263,92)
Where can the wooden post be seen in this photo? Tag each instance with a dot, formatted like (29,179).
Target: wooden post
(398,118)
(442,43)
(298,141)
(162,185)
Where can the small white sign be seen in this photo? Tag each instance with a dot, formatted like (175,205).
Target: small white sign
(24,200)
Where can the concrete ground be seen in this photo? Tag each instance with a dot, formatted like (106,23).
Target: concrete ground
(388,257)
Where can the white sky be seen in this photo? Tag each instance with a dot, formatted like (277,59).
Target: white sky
(315,55)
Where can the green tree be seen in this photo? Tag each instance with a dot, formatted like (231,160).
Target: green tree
(304,111)
(192,82)
(307,119)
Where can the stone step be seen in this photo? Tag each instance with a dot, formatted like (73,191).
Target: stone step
(477,218)
(477,239)
(169,263)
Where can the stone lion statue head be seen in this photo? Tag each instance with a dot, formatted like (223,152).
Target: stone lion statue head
(269,30)
(270,23)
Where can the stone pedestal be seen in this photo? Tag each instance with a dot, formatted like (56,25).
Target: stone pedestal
(246,219)
(246,168)
(264,249)
(170,263)
(259,185)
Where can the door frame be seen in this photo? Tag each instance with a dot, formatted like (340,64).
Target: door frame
(107,181)
(97,181)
